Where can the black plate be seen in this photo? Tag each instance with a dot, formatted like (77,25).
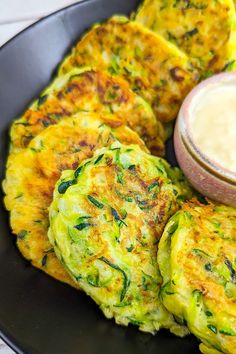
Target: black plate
(37,313)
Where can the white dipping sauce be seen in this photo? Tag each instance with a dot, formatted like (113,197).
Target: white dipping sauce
(213,123)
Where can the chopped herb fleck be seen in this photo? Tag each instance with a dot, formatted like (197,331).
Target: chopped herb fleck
(144,284)
(171,230)
(131,168)
(120,178)
(197,294)
(172,38)
(208,313)
(208,267)
(229,66)
(188,215)
(180,198)
(129,199)
(212,328)
(98,159)
(126,281)
(227,333)
(198,252)
(115,148)
(206,74)
(153,185)
(62,188)
(124,304)
(166,288)
(216,224)
(117,217)
(82,226)
(94,281)
(191,33)
(117,160)
(130,248)
(115,214)
(46,123)
(202,199)
(95,202)
(38,221)
(21,235)
(84,217)
(44,260)
(42,99)
(114,68)
(121,223)
(78,171)
(231,269)
(135,322)
(123,213)
(111,110)
(181,321)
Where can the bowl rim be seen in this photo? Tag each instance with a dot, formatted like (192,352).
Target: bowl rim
(185,129)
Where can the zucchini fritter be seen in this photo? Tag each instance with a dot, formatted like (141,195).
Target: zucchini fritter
(204,29)
(197,259)
(105,223)
(88,90)
(32,174)
(155,68)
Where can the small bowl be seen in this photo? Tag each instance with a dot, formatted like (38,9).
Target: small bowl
(208,177)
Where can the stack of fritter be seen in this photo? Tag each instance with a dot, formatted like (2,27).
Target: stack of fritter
(89,150)
(85,109)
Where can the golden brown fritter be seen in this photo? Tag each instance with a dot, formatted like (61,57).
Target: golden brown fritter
(105,222)
(204,29)
(87,90)
(32,173)
(197,259)
(155,68)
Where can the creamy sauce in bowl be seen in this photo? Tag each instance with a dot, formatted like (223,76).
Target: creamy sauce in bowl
(205,138)
(213,123)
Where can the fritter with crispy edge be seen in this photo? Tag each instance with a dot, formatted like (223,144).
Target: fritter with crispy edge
(105,223)
(204,29)
(32,174)
(88,90)
(155,68)
(197,259)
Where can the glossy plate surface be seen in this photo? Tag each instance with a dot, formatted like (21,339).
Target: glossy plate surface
(39,315)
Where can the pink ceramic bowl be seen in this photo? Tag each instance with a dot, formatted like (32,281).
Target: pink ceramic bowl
(205,175)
